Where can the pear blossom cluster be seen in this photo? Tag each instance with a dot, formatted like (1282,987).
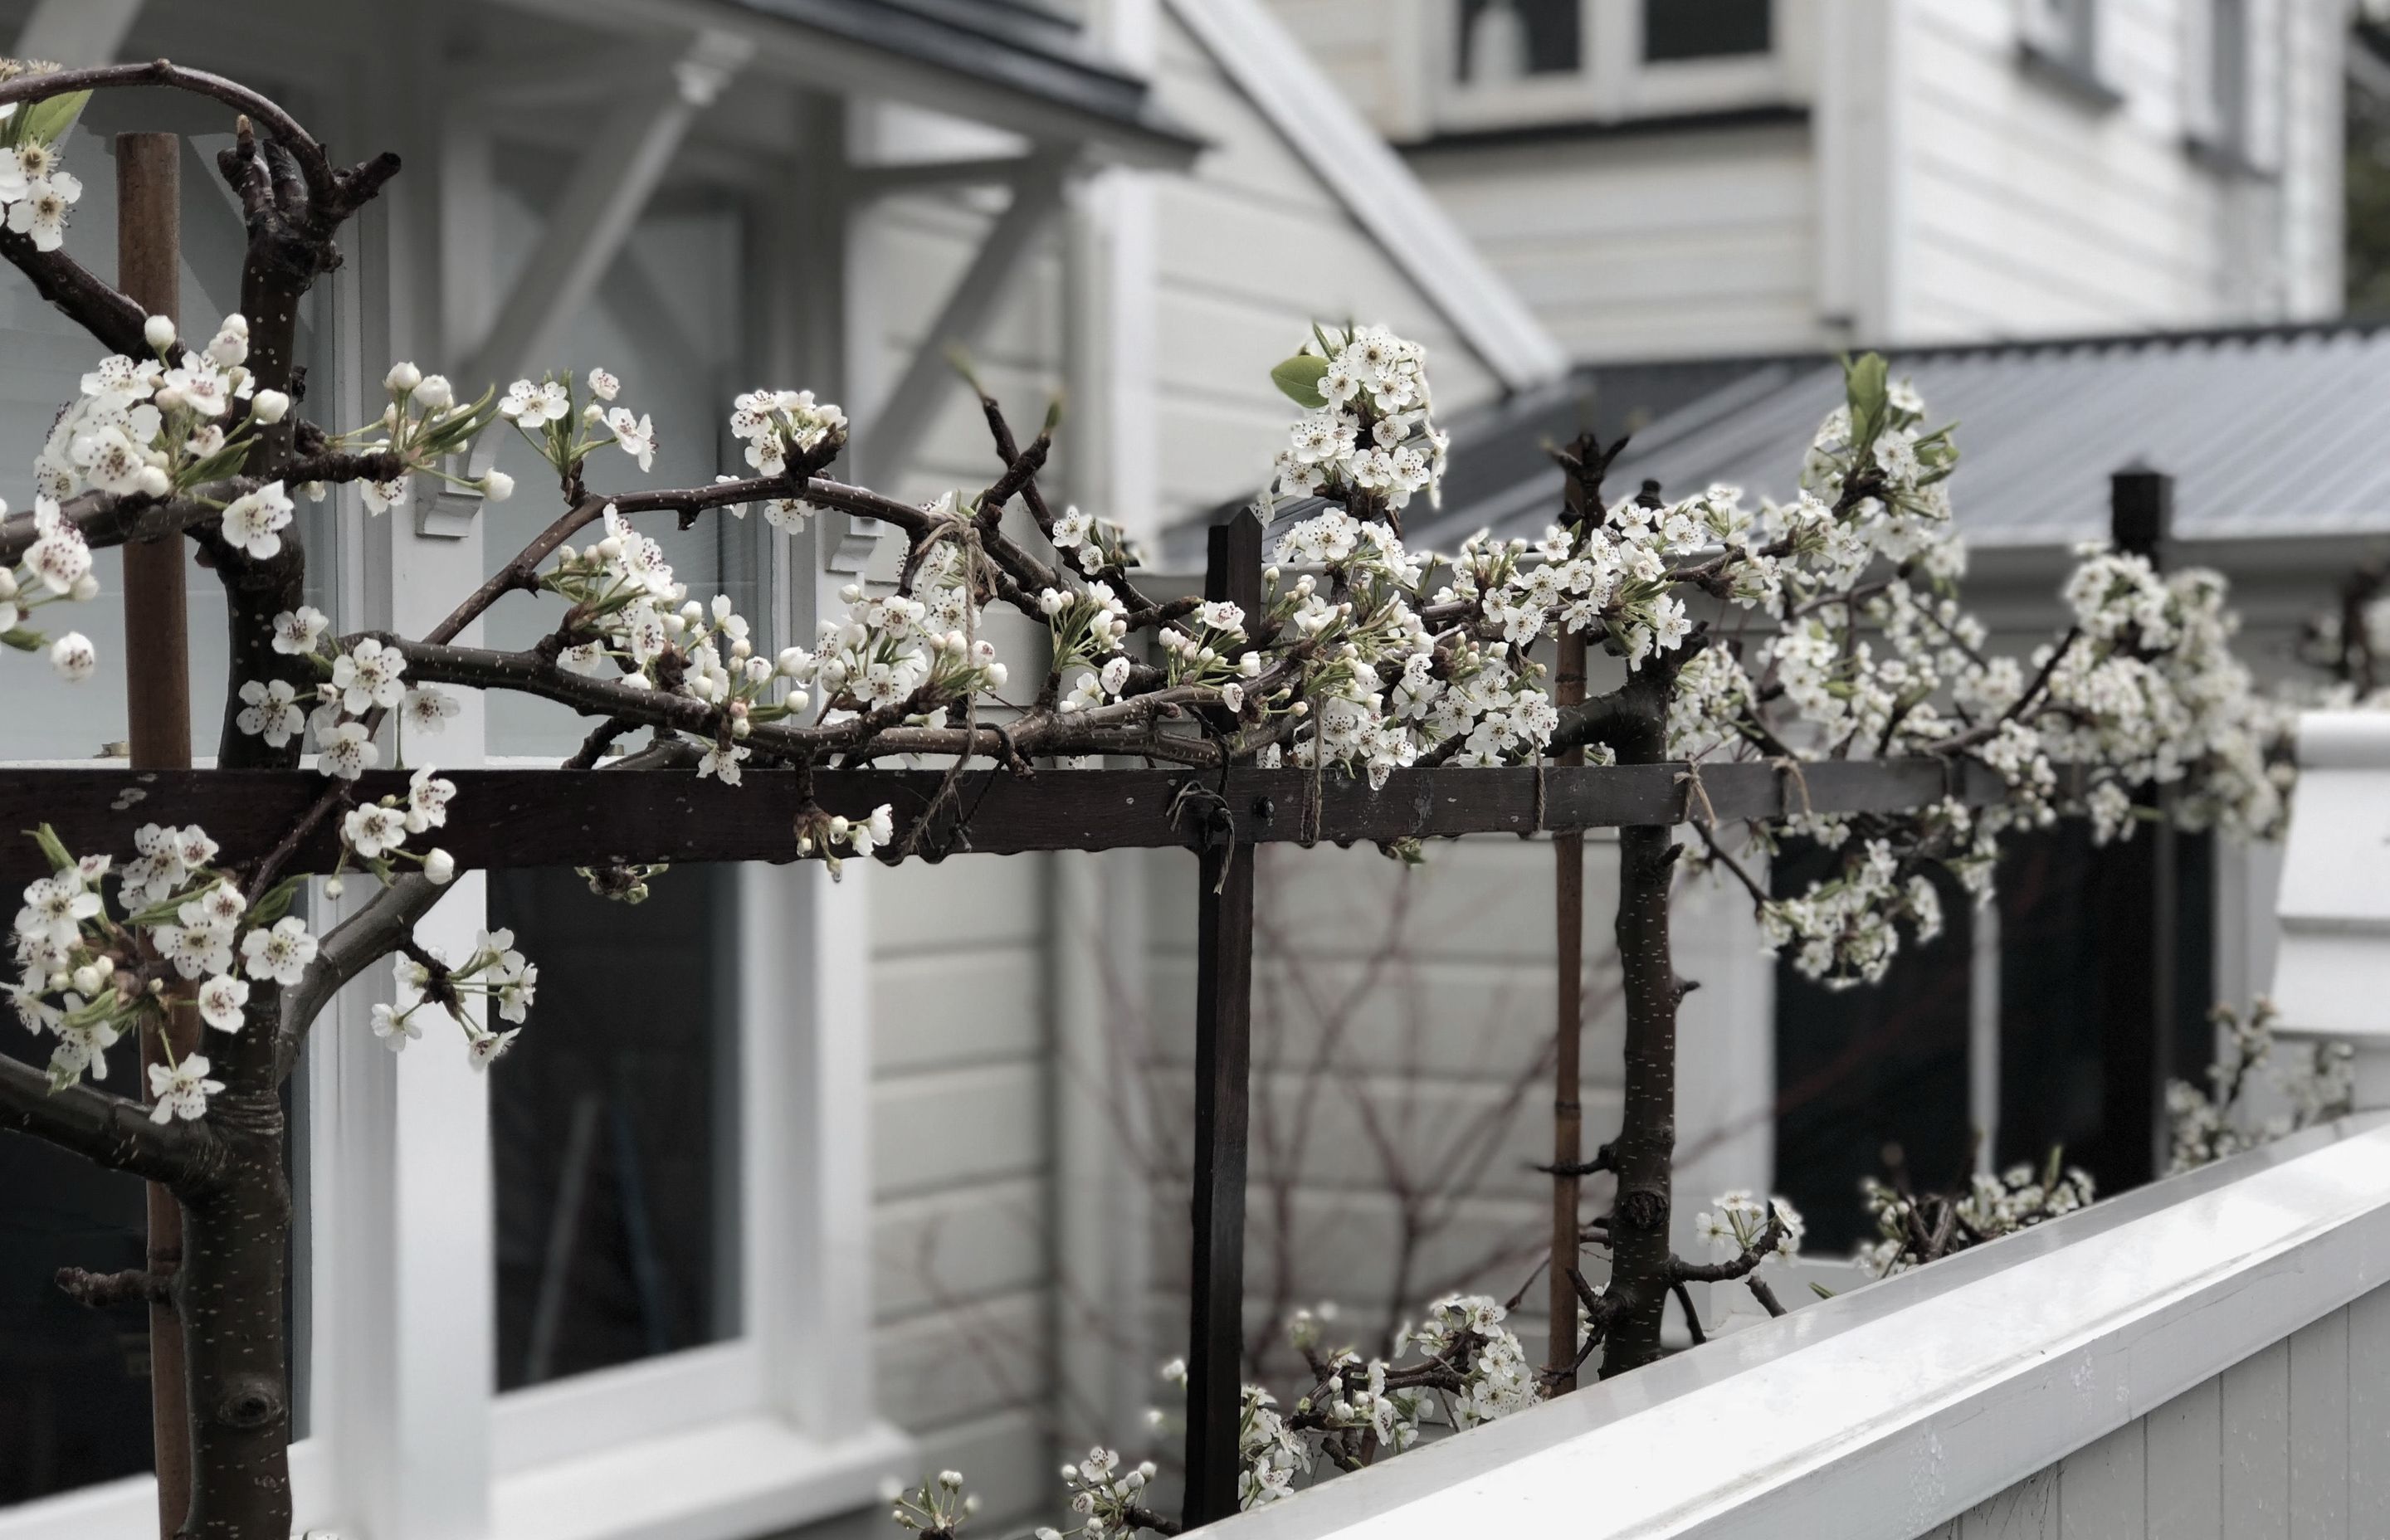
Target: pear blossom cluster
(36,190)
(1370,436)
(1916,1229)
(55,569)
(2304,1086)
(163,424)
(773,424)
(96,968)
(422,427)
(1736,1221)
(936,1509)
(566,426)
(496,975)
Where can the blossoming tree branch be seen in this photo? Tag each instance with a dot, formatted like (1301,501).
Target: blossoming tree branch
(1797,633)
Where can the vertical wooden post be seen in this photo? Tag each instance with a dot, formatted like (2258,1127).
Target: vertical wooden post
(2134,894)
(157,701)
(1568,1113)
(1223,1087)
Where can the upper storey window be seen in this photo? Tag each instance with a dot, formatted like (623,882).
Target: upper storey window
(1706,29)
(1506,40)
(1546,65)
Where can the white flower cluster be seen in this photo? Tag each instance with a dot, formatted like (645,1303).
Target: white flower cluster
(2310,1086)
(1370,436)
(422,426)
(565,429)
(774,423)
(375,832)
(2152,693)
(2017,1198)
(36,190)
(1737,1221)
(154,428)
(91,978)
(1105,1493)
(1467,1330)
(1843,931)
(495,972)
(57,566)
(936,1509)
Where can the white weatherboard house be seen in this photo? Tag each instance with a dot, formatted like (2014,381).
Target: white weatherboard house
(803,1187)
(1665,178)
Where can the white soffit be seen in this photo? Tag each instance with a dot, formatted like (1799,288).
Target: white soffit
(1371,180)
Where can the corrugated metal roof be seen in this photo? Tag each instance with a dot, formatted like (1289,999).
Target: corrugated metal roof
(2268,432)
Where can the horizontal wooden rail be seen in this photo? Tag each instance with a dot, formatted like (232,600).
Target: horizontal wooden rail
(518,817)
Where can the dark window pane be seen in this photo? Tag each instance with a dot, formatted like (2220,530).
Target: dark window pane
(1704,29)
(1861,1069)
(1535,37)
(613,1126)
(75,1383)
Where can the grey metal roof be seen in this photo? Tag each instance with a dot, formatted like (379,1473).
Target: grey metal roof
(2268,432)
(1014,45)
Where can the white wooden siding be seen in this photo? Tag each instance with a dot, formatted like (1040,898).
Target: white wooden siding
(1676,244)
(2289,1443)
(962,1159)
(1251,249)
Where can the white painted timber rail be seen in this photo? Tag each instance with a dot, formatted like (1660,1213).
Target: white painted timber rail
(1890,1412)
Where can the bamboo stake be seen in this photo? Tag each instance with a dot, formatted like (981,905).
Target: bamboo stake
(157,701)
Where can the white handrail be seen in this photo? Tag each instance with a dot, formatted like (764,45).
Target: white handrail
(1879,1414)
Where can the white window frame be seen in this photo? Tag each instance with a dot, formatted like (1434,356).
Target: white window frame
(1613,83)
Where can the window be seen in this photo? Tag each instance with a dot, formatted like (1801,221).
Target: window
(2064,32)
(1705,29)
(1503,40)
(614,1132)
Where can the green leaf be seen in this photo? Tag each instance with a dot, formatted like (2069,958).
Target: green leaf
(224,462)
(1299,378)
(53,847)
(1822,1290)
(276,903)
(23,638)
(46,121)
(1868,381)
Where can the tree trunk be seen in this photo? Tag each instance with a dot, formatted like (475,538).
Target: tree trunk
(237,1243)
(1646,1145)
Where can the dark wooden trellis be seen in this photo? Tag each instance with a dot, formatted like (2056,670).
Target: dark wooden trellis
(549,818)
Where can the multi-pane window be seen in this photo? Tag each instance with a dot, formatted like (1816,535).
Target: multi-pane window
(1705,29)
(1508,39)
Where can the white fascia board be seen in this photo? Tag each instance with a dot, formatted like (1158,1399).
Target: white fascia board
(1886,1411)
(1376,187)
(2333,973)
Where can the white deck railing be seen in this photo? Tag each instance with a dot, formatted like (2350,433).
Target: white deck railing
(1891,1412)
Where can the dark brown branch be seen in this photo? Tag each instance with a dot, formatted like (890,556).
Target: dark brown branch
(354,945)
(109,519)
(1741,1265)
(321,179)
(104,1290)
(1693,1316)
(104,1128)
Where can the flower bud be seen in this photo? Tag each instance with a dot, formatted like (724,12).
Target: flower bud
(58,981)
(269,407)
(435,394)
(334,887)
(403,378)
(159,332)
(84,589)
(154,481)
(440,866)
(497,486)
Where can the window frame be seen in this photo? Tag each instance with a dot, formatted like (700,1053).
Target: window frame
(1614,83)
